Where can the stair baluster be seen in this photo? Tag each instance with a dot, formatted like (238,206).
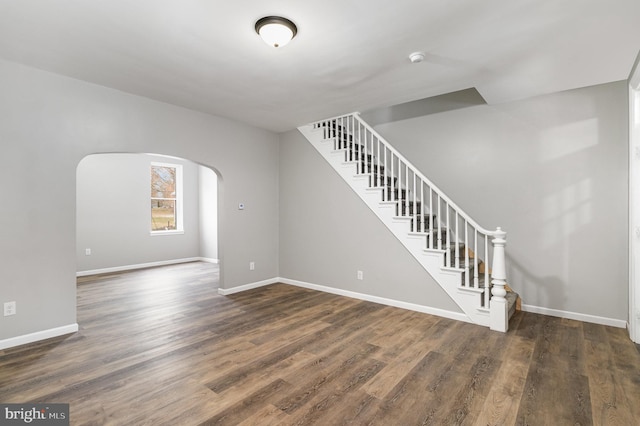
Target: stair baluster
(466,254)
(487,284)
(415,204)
(430,243)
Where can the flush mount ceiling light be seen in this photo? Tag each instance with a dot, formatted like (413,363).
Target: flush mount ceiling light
(275,30)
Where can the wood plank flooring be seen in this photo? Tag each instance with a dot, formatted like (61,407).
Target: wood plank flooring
(161,347)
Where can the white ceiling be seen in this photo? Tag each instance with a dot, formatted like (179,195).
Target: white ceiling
(349,55)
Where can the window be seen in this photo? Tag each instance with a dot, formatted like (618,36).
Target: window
(166,198)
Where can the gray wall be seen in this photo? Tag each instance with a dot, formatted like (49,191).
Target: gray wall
(552,171)
(113,211)
(48,123)
(208,205)
(327,233)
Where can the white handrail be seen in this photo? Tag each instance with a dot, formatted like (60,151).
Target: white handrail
(442,195)
(378,158)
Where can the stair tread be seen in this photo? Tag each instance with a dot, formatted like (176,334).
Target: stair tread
(424,217)
(471,289)
(423,233)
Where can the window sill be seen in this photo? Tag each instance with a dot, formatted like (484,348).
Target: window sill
(159,233)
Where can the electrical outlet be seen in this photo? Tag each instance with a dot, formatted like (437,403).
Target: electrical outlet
(9,308)
(252,266)
(360,275)
(87,252)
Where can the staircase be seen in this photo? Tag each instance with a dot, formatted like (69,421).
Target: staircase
(450,245)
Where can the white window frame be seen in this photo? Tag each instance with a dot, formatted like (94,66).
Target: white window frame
(179,200)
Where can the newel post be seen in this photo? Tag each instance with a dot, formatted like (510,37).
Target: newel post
(499,316)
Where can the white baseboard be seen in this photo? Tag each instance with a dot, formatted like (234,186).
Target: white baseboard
(360,296)
(209,260)
(381,300)
(575,316)
(40,335)
(143,265)
(250,286)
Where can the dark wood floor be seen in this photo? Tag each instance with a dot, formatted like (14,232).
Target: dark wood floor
(160,346)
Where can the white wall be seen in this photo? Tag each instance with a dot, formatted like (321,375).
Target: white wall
(113,213)
(49,123)
(552,171)
(208,189)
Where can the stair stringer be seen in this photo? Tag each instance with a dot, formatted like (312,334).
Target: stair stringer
(432,260)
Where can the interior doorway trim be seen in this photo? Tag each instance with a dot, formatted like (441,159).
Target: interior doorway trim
(634,203)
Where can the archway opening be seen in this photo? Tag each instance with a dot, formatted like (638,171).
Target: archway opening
(118,206)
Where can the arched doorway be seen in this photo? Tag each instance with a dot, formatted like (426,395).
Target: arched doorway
(115,228)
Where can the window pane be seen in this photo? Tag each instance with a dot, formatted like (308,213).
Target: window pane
(163,182)
(163,215)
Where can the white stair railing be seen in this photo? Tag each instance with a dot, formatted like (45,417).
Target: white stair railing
(447,227)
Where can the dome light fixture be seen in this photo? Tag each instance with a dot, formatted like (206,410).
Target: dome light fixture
(276,31)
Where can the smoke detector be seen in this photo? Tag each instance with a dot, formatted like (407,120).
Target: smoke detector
(416,57)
